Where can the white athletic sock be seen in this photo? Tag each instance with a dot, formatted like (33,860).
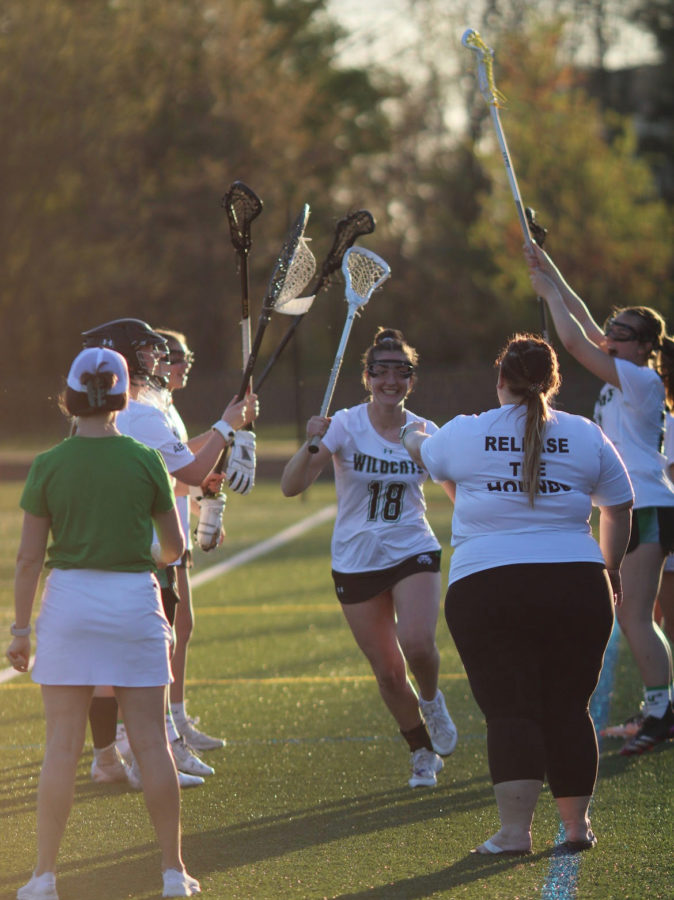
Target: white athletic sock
(178,713)
(656,701)
(99,750)
(171,730)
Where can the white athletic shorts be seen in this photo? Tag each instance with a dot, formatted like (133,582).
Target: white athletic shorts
(102,628)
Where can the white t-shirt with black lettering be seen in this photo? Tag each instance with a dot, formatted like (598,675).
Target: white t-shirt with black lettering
(493,523)
(381,511)
(633,417)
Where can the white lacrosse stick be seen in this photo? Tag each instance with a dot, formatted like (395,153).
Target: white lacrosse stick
(485,79)
(300,273)
(364,272)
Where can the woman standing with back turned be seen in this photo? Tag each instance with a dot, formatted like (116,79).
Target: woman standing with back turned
(530,602)
(101,620)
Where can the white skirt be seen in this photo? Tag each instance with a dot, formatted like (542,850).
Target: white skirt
(102,628)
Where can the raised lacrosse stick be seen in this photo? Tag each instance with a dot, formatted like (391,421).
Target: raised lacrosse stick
(347,230)
(242,206)
(494,98)
(293,270)
(364,272)
(538,233)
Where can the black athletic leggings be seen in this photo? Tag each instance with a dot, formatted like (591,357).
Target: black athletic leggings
(532,639)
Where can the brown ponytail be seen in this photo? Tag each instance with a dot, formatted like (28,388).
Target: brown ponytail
(530,368)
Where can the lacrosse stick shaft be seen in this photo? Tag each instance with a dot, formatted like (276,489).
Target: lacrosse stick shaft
(472,40)
(282,344)
(517,197)
(334,374)
(245,315)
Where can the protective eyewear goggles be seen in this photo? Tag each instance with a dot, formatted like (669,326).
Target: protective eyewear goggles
(176,357)
(382,366)
(620,332)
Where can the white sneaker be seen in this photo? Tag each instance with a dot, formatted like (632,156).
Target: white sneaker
(184,780)
(40,887)
(108,766)
(122,741)
(439,723)
(189,762)
(196,739)
(425,766)
(179,884)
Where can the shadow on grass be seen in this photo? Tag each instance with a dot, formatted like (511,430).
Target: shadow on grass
(470,868)
(112,875)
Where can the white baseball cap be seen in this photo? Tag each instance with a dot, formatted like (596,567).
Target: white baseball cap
(99,359)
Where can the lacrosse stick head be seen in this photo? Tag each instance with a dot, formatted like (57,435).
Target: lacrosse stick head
(348,228)
(485,66)
(363,272)
(284,262)
(300,272)
(242,206)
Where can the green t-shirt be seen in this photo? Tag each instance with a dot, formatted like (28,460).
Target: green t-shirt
(100,495)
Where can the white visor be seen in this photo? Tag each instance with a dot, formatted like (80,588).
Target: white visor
(99,359)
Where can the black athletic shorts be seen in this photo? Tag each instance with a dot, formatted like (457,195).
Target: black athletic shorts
(169,593)
(357,587)
(185,560)
(652,525)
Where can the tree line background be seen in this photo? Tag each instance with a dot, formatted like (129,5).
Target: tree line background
(125,121)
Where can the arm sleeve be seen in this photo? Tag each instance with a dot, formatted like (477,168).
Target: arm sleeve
(614,485)
(641,387)
(435,453)
(334,436)
(154,431)
(33,497)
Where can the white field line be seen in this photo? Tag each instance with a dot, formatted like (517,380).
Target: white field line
(239,559)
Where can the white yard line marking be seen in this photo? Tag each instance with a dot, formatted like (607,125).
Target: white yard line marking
(273,543)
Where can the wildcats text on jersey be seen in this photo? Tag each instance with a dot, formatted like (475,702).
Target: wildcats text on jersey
(373,466)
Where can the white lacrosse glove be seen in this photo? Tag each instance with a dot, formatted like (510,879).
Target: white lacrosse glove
(209,526)
(240,472)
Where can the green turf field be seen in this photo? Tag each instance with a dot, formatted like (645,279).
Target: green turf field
(310,795)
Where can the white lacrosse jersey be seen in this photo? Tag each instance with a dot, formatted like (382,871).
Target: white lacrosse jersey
(381,511)
(160,429)
(493,523)
(633,417)
(150,425)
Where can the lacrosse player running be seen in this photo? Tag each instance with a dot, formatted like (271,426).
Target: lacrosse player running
(636,360)
(385,558)
(530,603)
(101,619)
(143,419)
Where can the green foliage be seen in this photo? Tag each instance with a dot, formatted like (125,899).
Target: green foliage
(125,124)
(608,230)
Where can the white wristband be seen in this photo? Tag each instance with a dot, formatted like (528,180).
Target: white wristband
(20,632)
(225,430)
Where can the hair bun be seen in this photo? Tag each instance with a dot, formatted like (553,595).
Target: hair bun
(388,334)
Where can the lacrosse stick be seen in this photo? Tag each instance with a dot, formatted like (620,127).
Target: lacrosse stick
(494,98)
(364,272)
(293,270)
(242,206)
(539,234)
(347,230)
